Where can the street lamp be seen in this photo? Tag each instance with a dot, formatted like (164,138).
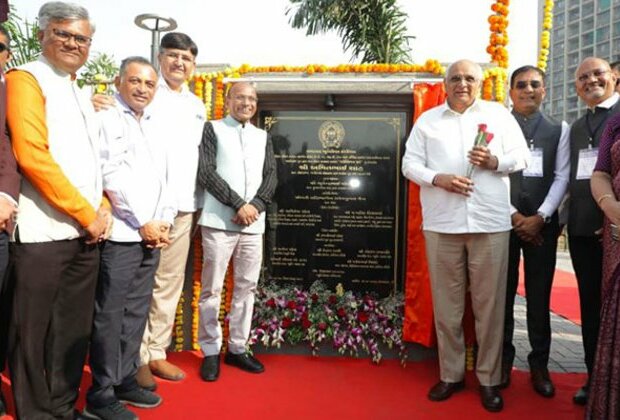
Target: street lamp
(156,24)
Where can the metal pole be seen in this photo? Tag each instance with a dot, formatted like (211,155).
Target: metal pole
(156,30)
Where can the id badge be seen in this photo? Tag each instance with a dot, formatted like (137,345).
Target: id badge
(535,168)
(586,163)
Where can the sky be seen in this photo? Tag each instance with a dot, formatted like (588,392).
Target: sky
(257,32)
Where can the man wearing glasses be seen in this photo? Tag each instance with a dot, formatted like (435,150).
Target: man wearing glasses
(535,195)
(237,170)
(595,84)
(173,102)
(62,216)
(466,211)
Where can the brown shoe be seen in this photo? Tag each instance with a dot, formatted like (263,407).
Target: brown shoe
(145,379)
(444,390)
(166,370)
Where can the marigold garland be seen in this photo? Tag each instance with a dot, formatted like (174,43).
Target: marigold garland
(545,35)
(498,23)
(211,89)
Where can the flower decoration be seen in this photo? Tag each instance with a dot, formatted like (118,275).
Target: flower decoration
(351,323)
(498,40)
(545,35)
(494,81)
(210,86)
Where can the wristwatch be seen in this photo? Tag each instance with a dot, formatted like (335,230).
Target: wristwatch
(546,219)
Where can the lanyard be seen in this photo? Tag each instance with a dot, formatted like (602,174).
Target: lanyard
(534,131)
(592,132)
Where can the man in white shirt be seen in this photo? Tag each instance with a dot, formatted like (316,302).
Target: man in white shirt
(134,179)
(181,116)
(535,194)
(466,218)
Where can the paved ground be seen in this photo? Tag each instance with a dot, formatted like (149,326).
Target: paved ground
(566,348)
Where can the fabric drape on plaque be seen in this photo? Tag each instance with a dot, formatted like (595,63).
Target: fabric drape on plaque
(418,325)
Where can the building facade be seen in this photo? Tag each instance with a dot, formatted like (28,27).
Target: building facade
(581,28)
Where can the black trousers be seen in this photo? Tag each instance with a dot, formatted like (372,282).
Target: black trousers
(124,291)
(6,298)
(51,323)
(586,253)
(539,268)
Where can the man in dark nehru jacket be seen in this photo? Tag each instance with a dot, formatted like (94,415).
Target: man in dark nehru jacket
(535,196)
(595,84)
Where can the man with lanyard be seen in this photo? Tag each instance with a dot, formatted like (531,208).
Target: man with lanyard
(595,84)
(536,194)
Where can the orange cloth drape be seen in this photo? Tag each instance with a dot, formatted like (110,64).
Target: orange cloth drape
(418,324)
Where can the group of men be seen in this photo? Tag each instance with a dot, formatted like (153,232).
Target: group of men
(101,221)
(108,201)
(487,204)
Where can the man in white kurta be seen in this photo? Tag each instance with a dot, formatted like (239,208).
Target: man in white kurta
(466,222)
(180,116)
(237,170)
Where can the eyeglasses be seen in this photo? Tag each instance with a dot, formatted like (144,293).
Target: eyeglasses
(175,56)
(3,47)
(64,36)
(469,79)
(523,84)
(584,77)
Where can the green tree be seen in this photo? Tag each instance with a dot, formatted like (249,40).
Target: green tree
(373,29)
(25,45)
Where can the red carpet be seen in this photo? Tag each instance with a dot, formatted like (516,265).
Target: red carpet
(564,295)
(304,387)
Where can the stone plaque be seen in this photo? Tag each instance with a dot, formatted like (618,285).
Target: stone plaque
(337,209)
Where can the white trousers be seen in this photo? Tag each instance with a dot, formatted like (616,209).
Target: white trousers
(169,280)
(246,250)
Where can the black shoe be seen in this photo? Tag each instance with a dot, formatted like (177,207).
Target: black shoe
(139,397)
(444,390)
(491,398)
(581,397)
(210,368)
(244,361)
(114,411)
(2,405)
(542,382)
(505,380)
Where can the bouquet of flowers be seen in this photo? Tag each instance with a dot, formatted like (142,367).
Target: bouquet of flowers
(349,321)
(483,138)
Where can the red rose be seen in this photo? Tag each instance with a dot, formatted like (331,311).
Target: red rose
(322,326)
(362,316)
(271,303)
(341,312)
(305,323)
(333,299)
(286,322)
(315,297)
(291,304)
(304,315)
(489,137)
(482,127)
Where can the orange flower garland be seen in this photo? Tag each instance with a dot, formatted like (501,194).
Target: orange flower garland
(498,39)
(545,35)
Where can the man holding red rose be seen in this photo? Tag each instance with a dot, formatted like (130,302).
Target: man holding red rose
(466,221)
